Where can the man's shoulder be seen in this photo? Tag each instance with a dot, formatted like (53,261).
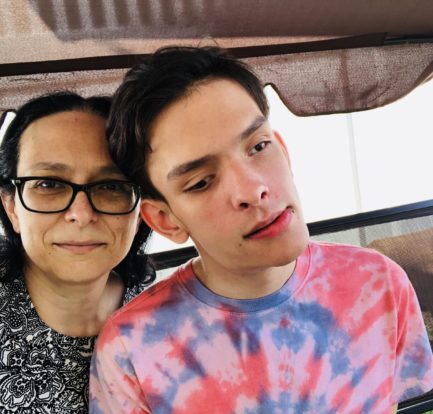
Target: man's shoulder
(153,298)
(150,314)
(348,251)
(361,263)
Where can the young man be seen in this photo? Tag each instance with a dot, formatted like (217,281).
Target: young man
(263,321)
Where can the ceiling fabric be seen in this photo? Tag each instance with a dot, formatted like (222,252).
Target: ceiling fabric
(40,34)
(310,83)
(34,30)
(15,90)
(346,80)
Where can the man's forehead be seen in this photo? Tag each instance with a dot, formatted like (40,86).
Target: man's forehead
(200,123)
(201,108)
(179,144)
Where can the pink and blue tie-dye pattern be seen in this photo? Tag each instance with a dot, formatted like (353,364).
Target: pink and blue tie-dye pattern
(343,335)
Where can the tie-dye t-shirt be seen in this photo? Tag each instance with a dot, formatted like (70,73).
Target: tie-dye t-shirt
(343,335)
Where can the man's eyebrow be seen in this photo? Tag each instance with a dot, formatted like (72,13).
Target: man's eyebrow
(189,166)
(254,126)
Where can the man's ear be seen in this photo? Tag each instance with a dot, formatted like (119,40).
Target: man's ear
(8,201)
(158,216)
(283,146)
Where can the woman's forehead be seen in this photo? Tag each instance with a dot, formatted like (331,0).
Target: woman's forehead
(73,139)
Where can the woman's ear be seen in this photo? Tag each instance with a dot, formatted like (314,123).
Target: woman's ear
(159,217)
(8,201)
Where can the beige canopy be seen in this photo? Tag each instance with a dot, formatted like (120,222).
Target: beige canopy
(322,56)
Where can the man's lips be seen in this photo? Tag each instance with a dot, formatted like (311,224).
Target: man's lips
(271,227)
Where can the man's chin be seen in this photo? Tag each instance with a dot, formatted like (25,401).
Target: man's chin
(294,250)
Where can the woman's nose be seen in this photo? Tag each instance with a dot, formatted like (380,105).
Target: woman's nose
(81,211)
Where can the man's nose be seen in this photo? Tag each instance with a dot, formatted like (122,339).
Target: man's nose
(81,211)
(247,187)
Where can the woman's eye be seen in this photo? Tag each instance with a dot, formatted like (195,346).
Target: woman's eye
(47,184)
(109,186)
(259,147)
(199,186)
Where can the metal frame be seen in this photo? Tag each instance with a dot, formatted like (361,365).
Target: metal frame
(418,405)
(128,60)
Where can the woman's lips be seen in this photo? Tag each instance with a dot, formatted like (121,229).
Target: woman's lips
(79,247)
(274,228)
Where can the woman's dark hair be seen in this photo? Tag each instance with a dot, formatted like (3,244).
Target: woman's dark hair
(155,83)
(135,268)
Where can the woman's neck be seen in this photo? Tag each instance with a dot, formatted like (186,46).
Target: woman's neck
(75,310)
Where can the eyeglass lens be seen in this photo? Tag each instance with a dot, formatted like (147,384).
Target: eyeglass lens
(114,197)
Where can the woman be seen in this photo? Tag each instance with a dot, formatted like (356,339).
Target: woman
(71,254)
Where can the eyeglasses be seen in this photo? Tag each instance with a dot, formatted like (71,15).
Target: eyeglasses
(53,195)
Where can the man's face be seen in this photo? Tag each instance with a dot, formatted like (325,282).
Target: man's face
(227,181)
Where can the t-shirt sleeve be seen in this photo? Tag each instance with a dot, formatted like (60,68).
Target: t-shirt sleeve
(114,387)
(414,360)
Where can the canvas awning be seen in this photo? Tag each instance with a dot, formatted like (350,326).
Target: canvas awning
(322,57)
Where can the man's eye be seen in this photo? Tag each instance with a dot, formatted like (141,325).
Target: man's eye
(199,186)
(259,147)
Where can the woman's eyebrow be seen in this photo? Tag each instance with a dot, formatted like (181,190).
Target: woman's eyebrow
(50,166)
(109,169)
(64,168)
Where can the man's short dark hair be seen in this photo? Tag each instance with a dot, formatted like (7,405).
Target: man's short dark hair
(155,83)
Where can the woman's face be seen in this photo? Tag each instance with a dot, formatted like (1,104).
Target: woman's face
(78,245)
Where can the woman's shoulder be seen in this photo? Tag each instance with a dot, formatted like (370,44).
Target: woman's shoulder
(12,291)
(31,349)
(132,291)
(18,317)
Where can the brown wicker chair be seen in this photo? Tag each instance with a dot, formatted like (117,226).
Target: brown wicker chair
(414,253)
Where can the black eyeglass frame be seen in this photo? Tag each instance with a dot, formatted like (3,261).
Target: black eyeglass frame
(18,182)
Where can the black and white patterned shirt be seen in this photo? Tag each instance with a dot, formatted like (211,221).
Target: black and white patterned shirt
(41,370)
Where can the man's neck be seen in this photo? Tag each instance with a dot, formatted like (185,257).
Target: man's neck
(242,284)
